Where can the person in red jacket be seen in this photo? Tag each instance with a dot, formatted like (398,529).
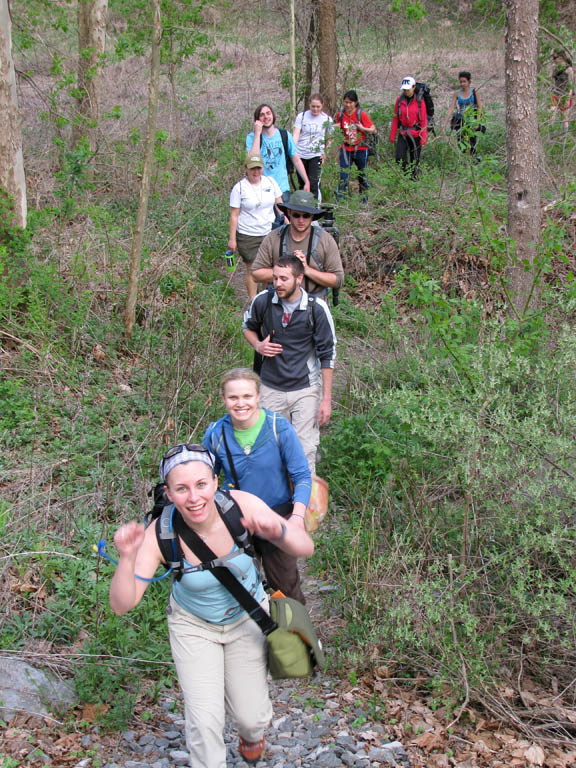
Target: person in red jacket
(410,124)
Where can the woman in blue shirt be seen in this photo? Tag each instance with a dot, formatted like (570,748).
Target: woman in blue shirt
(259,452)
(465,113)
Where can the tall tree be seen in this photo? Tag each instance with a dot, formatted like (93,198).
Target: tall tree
(309,48)
(138,238)
(12,177)
(522,148)
(92,16)
(328,53)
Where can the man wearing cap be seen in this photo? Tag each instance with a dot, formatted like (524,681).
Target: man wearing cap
(294,334)
(410,123)
(252,214)
(307,241)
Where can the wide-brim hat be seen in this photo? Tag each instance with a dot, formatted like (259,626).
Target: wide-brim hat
(302,201)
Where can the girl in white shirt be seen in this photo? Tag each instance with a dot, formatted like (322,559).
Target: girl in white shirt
(252,213)
(312,130)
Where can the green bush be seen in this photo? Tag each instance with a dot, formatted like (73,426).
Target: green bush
(457,548)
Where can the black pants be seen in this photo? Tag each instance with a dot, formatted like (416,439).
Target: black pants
(408,150)
(313,166)
(467,140)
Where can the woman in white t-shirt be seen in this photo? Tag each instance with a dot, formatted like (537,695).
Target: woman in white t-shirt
(252,213)
(311,133)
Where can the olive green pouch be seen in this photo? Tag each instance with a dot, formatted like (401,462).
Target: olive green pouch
(294,648)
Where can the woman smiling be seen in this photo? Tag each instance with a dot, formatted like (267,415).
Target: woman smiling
(219,652)
(259,452)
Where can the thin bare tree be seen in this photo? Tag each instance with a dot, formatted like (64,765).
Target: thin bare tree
(12,177)
(523,150)
(147,166)
(92,15)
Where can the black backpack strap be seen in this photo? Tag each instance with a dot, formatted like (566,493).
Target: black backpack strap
(225,577)
(230,461)
(287,159)
(231,513)
(265,324)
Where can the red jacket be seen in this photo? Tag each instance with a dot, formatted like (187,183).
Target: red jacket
(406,112)
(353,138)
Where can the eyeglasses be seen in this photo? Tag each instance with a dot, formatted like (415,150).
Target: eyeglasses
(295,215)
(196,447)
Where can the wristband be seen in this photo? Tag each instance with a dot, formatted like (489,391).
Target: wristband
(295,514)
(282,535)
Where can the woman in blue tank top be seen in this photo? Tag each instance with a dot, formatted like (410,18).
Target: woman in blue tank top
(464,113)
(218,650)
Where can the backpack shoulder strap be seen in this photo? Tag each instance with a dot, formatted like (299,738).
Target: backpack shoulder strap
(311,311)
(168,541)
(266,323)
(231,513)
(287,159)
(275,428)
(170,521)
(283,230)
(222,572)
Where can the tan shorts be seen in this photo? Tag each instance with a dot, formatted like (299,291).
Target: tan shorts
(247,246)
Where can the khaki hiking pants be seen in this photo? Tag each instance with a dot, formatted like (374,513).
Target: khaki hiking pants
(301,409)
(221,669)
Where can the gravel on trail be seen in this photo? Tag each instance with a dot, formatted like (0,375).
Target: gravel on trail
(308,729)
(312,724)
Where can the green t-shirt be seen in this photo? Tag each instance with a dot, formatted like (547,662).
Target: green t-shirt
(247,437)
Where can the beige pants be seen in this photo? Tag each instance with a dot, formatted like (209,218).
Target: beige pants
(221,669)
(301,409)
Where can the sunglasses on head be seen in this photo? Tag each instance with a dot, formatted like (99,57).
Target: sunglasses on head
(196,447)
(296,215)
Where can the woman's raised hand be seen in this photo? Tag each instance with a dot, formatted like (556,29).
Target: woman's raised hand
(129,537)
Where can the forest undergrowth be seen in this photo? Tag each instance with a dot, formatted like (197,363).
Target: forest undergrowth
(450,454)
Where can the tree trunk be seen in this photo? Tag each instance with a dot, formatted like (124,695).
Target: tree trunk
(138,239)
(310,45)
(12,177)
(522,149)
(327,53)
(91,47)
(292,60)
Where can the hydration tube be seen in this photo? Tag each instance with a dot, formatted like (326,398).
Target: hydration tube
(100,549)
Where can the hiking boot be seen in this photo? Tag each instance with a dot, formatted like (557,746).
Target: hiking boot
(251,751)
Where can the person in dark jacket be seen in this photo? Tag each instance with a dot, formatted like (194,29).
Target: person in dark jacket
(294,334)
(410,124)
(259,452)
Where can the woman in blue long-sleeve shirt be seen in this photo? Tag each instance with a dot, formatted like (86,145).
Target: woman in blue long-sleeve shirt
(259,452)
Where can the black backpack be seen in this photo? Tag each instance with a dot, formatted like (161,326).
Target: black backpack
(423,92)
(168,519)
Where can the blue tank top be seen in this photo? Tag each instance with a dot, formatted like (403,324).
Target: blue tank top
(464,103)
(201,594)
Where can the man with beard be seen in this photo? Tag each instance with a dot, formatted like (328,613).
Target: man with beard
(294,334)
